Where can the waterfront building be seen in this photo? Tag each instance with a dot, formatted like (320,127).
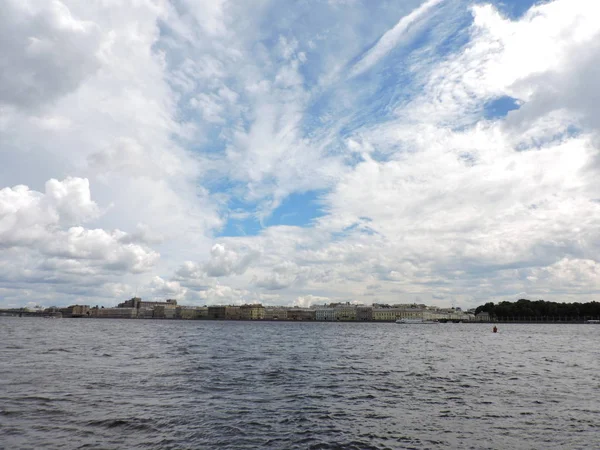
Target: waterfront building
(325,314)
(145,313)
(137,302)
(297,313)
(202,312)
(163,312)
(136,308)
(114,313)
(345,311)
(385,314)
(252,312)
(393,314)
(232,313)
(364,313)
(80,310)
(482,316)
(75,311)
(159,312)
(446,314)
(216,312)
(275,313)
(411,313)
(221,312)
(187,313)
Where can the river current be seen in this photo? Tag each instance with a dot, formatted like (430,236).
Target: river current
(125,384)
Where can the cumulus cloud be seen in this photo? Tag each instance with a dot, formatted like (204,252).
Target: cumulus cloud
(227,262)
(35,221)
(223,262)
(160,289)
(26,215)
(572,88)
(307,301)
(222,295)
(276,280)
(70,199)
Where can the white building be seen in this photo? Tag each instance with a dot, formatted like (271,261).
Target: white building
(325,314)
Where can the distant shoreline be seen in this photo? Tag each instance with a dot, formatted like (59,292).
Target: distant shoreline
(204,319)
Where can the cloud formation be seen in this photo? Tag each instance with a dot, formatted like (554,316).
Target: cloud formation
(332,151)
(47,52)
(48,223)
(393,37)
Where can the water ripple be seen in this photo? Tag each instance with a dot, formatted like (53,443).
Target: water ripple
(235,385)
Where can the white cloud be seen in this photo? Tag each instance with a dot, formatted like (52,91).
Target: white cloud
(36,222)
(26,215)
(47,52)
(227,262)
(392,37)
(161,289)
(222,262)
(182,116)
(221,295)
(581,273)
(307,301)
(127,156)
(71,199)
(282,276)
(502,55)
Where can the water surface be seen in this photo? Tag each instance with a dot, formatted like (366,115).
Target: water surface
(84,383)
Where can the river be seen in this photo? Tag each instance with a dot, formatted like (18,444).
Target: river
(85,383)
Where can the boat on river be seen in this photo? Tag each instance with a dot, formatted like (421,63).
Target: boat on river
(416,321)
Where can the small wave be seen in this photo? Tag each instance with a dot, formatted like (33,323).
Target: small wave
(41,399)
(352,445)
(256,424)
(125,424)
(150,356)
(276,373)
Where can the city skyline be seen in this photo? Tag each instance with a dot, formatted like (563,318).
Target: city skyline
(434,152)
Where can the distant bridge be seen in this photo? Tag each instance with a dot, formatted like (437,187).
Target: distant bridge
(20,312)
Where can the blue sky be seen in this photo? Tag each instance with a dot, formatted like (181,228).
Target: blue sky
(298,152)
(350,102)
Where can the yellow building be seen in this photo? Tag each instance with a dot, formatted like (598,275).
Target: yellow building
(384,314)
(345,312)
(393,314)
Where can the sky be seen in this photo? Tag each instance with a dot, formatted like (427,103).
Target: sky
(444,152)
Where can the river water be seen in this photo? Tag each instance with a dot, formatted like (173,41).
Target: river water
(85,383)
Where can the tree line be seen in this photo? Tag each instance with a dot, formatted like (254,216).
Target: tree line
(524,309)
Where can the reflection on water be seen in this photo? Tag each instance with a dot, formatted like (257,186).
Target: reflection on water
(152,384)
